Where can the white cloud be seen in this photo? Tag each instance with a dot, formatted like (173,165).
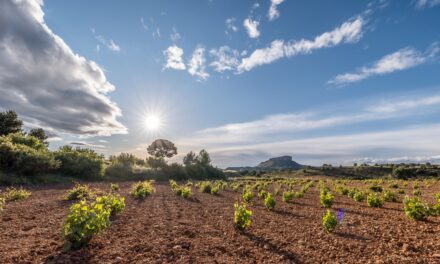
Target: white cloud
(110,44)
(273,12)
(230,25)
(175,36)
(225,59)
(348,32)
(400,60)
(196,65)
(398,106)
(251,27)
(427,3)
(45,82)
(174,58)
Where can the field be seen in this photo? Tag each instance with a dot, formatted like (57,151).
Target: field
(166,228)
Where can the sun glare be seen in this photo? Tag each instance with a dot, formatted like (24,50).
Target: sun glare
(153,122)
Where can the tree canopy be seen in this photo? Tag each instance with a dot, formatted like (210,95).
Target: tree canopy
(9,123)
(162,148)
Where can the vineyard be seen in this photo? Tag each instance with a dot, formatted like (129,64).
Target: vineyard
(292,220)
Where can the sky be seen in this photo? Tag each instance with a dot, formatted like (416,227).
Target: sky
(323,81)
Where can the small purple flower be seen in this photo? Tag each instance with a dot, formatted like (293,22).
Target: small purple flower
(340,214)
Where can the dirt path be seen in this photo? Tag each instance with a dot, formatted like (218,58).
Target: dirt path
(165,228)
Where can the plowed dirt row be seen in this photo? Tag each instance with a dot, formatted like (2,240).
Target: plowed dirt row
(165,228)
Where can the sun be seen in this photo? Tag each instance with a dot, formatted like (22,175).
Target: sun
(153,122)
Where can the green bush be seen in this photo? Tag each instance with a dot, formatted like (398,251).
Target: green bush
(248,195)
(342,190)
(376,188)
(2,203)
(269,202)
(114,187)
(352,192)
(13,194)
(214,190)
(242,216)
(415,209)
(437,197)
(25,155)
(329,221)
(262,194)
(389,196)
(359,196)
(115,203)
(401,191)
(299,194)
(205,187)
(83,222)
(326,199)
(80,163)
(142,189)
(186,192)
(79,192)
(287,196)
(373,200)
(417,192)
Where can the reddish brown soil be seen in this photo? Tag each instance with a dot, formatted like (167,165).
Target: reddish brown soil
(165,228)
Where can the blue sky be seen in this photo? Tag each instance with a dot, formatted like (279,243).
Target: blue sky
(323,81)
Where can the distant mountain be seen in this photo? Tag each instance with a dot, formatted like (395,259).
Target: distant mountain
(279,163)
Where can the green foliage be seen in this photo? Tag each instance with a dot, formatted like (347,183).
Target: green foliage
(186,192)
(376,188)
(437,197)
(352,192)
(142,189)
(214,190)
(12,194)
(80,163)
(287,196)
(2,203)
(39,134)
(389,196)
(415,208)
(326,199)
(329,221)
(262,194)
(9,123)
(25,155)
(342,190)
(248,195)
(83,222)
(373,200)
(114,187)
(162,148)
(115,203)
(79,192)
(394,185)
(359,196)
(242,216)
(417,192)
(269,202)
(299,194)
(205,187)
(401,191)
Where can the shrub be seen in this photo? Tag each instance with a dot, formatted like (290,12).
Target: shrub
(248,195)
(269,202)
(84,221)
(186,192)
(115,203)
(287,196)
(359,196)
(299,194)
(394,185)
(13,194)
(417,192)
(205,187)
(79,192)
(415,209)
(352,192)
(25,155)
(401,191)
(373,200)
(80,163)
(342,190)
(142,189)
(214,190)
(114,187)
(376,188)
(437,197)
(326,199)
(242,216)
(389,196)
(262,194)
(2,203)
(329,221)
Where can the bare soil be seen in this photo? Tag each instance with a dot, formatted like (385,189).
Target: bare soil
(165,228)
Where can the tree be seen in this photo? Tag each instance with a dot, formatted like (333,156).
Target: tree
(162,148)
(203,158)
(9,123)
(40,134)
(189,159)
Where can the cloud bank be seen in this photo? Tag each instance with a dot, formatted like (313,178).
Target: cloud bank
(46,82)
